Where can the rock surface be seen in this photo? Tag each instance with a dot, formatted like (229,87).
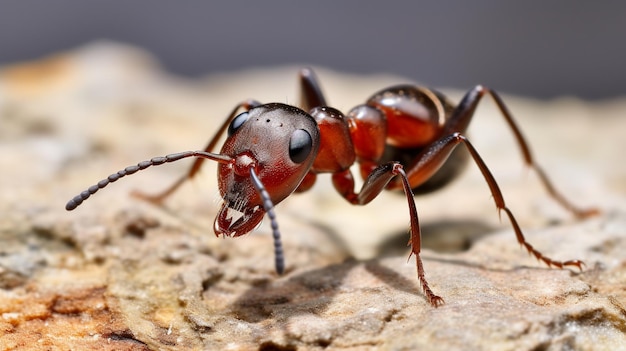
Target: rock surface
(119,274)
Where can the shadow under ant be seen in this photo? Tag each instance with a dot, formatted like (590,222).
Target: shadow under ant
(444,236)
(309,292)
(313,291)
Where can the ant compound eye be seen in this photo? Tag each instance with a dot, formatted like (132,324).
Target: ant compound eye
(237,122)
(300,145)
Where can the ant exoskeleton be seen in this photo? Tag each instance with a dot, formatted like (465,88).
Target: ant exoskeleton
(273,150)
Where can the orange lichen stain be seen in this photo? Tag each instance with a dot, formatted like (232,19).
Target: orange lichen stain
(163,317)
(73,320)
(38,77)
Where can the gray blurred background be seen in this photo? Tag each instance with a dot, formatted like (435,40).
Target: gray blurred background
(542,49)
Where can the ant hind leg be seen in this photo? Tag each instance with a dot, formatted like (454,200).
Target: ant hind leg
(461,117)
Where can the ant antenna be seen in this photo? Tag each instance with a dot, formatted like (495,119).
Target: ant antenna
(155,161)
(268,206)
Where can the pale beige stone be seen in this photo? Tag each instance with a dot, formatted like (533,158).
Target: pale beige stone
(119,274)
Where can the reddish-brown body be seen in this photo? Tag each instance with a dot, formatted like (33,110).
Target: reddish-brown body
(403,138)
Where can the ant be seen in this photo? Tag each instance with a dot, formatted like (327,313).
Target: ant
(402,138)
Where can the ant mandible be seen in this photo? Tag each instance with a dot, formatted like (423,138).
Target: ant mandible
(403,138)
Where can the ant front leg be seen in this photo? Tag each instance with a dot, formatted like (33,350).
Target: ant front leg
(195,167)
(461,117)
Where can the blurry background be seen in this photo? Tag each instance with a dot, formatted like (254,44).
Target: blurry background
(532,48)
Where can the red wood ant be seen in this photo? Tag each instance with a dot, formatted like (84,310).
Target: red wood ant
(403,138)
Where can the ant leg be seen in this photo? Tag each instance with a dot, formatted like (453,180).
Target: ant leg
(431,158)
(195,167)
(374,184)
(462,116)
(310,91)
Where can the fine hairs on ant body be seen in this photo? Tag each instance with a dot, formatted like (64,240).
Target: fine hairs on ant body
(403,138)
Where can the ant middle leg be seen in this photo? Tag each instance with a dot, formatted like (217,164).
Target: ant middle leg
(195,167)
(374,184)
(461,117)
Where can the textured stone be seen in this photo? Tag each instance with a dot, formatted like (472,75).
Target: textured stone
(119,274)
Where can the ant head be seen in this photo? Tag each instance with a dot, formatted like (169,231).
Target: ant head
(280,142)
(269,150)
